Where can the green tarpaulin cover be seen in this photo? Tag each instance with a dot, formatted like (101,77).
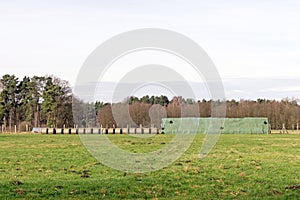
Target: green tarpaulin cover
(227,125)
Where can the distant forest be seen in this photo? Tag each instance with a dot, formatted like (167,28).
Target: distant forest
(46,101)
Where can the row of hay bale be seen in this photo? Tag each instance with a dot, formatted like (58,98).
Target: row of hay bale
(97,130)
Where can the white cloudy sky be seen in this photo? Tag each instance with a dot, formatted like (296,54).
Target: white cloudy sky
(254,44)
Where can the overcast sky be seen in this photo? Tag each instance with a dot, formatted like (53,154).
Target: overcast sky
(255,45)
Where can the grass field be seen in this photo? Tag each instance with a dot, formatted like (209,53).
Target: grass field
(239,167)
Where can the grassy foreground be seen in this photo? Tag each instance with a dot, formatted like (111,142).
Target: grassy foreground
(239,167)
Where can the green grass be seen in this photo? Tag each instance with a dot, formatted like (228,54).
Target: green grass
(239,167)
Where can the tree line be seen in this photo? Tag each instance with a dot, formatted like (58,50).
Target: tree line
(280,113)
(35,101)
(47,101)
